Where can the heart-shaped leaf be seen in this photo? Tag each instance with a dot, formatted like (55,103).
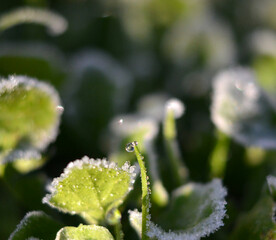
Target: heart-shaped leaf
(91,188)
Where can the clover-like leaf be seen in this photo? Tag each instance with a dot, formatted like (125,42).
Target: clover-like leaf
(36,225)
(29,114)
(92,232)
(91,188)
(241,110)
(196,210)
(55,22)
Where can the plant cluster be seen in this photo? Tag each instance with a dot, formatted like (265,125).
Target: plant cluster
(173,171)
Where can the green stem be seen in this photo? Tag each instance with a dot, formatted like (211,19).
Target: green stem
(145,192)
(180,172)
(118,231)
(219,156)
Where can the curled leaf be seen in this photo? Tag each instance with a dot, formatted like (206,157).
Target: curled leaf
(55,22)
(91,188)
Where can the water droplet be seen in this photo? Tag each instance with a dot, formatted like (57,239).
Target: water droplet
(130,146)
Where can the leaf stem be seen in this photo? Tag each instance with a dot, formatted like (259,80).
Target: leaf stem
(118,231)
(170,134)
(218,157)
(145,192)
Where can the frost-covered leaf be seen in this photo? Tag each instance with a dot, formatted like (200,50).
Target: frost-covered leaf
(241,110)
(257,224)
(53,21)
(24,161)
(29,113)
(33,59)
(271,181)
(195,211)
(36,225)
(139,18)
(153,105)
(184,40)
(92,232)
(129,128)
(135,219)
(101,81)
(90,188)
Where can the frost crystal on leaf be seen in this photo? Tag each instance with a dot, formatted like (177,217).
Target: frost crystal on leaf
(196,211)
(90,188)
(240,109)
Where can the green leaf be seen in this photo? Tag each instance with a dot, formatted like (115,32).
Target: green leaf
(36,224)
(241,110)
(55,23)
(129,128)
(91,188)
(30,114)
(196,210)
(258,223)
(38,60)
(265,67)
(135,219)
(91,232)
(24,161)
(101,81)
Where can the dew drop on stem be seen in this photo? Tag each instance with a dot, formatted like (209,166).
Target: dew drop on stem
(130,146)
